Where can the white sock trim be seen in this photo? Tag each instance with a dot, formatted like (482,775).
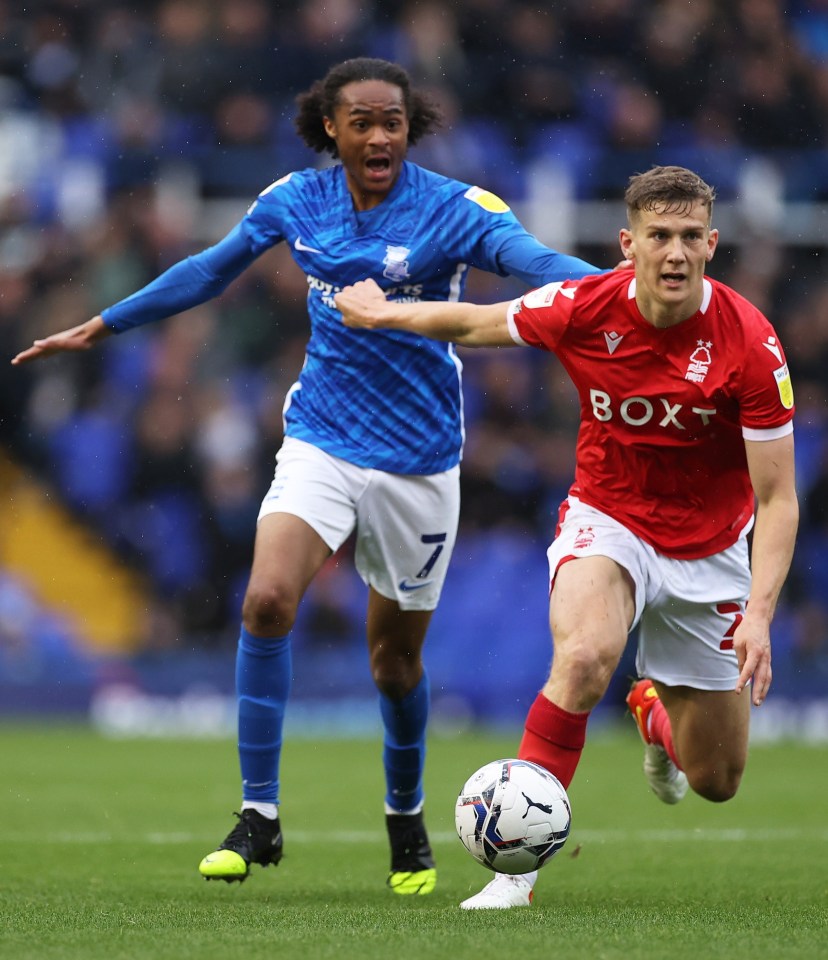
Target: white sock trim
(405,813)
(269,810)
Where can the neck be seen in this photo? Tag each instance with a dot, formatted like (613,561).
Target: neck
(363,203)
(663,315)
(365,200)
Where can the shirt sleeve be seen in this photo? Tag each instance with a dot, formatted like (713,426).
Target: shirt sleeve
(184,285)
(482,230)
(766,398)
(263,222)
(541,317)
(522,255)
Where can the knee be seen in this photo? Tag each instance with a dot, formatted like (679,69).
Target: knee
(395,674)
(585,669)
(269,611)
(717,782)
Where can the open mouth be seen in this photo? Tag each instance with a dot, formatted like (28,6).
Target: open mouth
(673,278)
(378,165)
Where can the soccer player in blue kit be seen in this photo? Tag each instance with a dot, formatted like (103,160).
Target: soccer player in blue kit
(373,426)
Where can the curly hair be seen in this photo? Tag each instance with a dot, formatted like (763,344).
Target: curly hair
(322,98)
(675,189)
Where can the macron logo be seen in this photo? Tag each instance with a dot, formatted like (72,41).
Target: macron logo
(301,246)
(771,345)
(612,340)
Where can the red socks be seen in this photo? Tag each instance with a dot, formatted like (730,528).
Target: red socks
(554,738)
(660,732)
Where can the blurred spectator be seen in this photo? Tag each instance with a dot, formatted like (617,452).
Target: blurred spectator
(426,38)
(246,54)
(317,34)
(676,48)
(242,151)
(188,83)
(634,125)
(540,84)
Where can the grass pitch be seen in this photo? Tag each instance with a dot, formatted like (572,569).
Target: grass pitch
(100,840)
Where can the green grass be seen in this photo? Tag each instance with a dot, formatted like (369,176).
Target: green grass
(100,839)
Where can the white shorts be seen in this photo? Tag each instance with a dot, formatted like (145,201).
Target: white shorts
(686,610)
(405,525)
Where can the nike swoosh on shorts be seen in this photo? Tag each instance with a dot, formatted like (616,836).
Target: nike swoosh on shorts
(405,585)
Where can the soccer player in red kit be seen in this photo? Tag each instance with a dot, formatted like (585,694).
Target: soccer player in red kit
(686,424)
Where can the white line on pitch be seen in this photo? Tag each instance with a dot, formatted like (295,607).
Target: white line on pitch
(706,834)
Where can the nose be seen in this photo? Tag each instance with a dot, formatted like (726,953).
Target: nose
(379,135)
(675,249)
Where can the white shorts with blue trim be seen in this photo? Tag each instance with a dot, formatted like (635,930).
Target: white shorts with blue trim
(405,525)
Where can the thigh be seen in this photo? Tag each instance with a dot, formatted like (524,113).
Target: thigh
(406,529)
(592,597)
(590,613)
(586,533)
(287,555)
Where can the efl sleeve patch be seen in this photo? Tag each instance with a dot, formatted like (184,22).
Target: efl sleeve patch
(783,383)
(543,296)
(489,201)
(267,190)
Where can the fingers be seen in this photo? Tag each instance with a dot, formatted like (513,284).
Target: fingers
(761,683)
(81,337)
(358,301)
(759,670)
(45,348)
(347,304)
(369,286)
(744,679)
(38,349)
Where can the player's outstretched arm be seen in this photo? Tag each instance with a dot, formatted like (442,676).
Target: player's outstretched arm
(364,305)
(771,465)
(81,337)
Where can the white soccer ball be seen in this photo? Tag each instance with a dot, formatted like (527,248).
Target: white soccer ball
(513,816)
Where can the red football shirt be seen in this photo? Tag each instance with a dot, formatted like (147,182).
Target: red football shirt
(664,412)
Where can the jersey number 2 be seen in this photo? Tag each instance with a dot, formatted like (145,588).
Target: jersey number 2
(726,608)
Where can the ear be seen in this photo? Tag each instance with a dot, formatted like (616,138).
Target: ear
(712,243)
(330,127)
(625,238)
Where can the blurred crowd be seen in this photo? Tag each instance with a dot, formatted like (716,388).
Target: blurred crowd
(134,134)
(119,91)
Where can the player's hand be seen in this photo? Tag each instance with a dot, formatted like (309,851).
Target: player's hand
(362,304)
(81,337)
(751,643)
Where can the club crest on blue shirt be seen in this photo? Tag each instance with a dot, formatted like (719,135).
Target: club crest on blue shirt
(396,263)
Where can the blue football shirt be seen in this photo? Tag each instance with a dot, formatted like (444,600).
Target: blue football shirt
(388,400)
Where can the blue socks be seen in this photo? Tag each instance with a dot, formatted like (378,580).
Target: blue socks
(404,748)
(263,676)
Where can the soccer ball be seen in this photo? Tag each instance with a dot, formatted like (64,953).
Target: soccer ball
(512,816)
